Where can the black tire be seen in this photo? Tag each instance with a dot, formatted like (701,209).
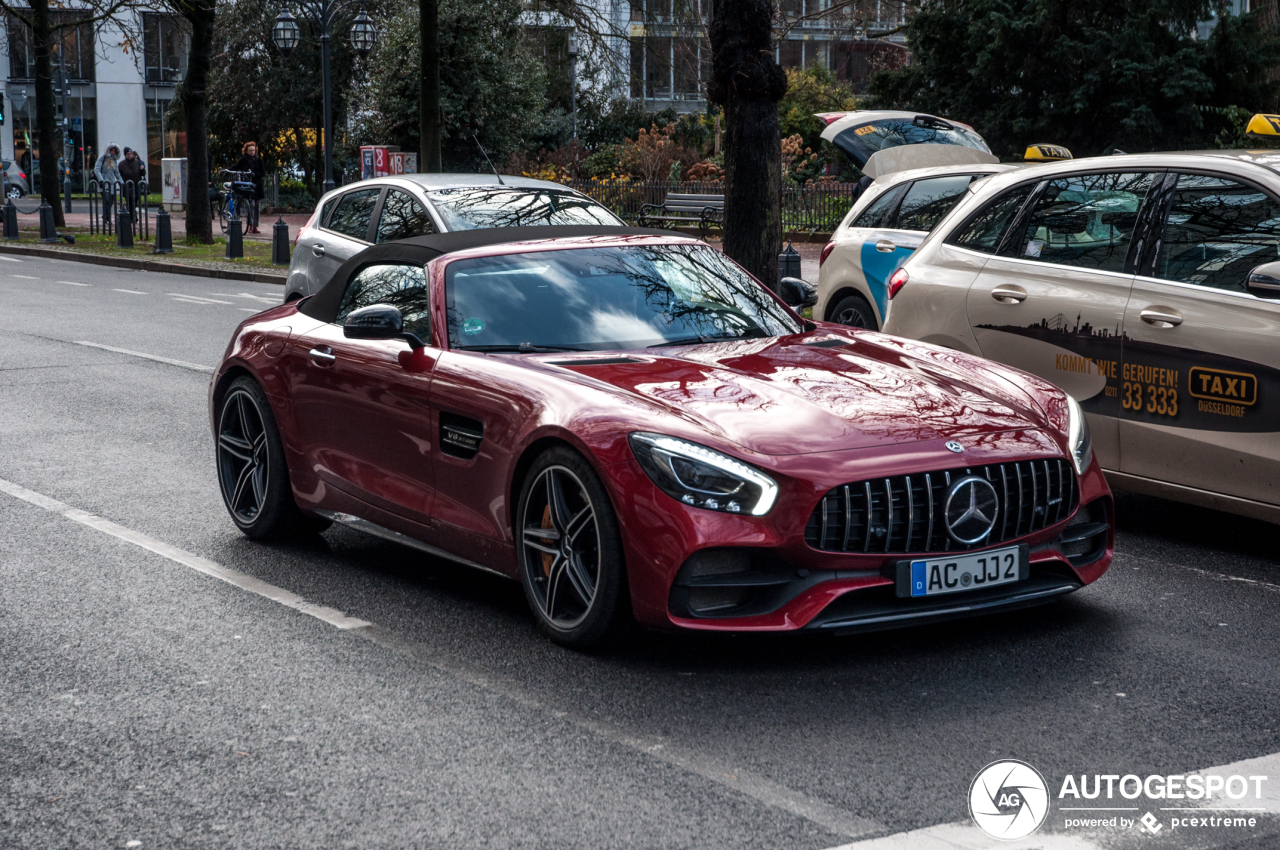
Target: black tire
(13,191)
(574,605)
(252,474)
(854,311)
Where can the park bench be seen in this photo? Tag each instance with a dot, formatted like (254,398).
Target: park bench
(679,208)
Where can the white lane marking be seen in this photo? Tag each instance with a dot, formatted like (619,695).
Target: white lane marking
(745,782)
(11,260)
(1209,574)
(236,578)
(72,283)
(184,364)
(271,301)
(183,296)
(25,276)
(964,835)
(248,310)
(129,291)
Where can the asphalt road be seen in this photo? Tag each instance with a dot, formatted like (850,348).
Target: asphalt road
(146,703)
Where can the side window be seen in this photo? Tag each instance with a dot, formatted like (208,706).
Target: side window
(401,286)
(983,231)
(1085,221)
(326,210)
(1217,231)
(351,217)
(927,201)
(873,215)
(402,217)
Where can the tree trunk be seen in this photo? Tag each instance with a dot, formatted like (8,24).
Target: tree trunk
(748,83)
(429,96)
(48,139)
(199,14)
(1267,18)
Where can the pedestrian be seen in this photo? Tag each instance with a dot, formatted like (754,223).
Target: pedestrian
(107,173)
(133,174)
(252,163)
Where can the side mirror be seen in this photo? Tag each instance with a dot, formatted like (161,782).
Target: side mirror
(797,293)
(1264,281)
(378,321)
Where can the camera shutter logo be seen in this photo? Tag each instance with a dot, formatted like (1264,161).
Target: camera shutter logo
(971,510)
(1008,799)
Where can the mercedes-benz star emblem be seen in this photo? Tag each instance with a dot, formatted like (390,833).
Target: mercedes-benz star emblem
(971,510)
(953,446)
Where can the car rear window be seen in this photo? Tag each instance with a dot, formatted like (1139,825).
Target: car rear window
(928,201)
(878,211)
(471,208)
(351,217)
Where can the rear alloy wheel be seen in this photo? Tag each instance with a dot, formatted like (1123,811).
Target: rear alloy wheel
(252,473)
(854,311)
(571,563)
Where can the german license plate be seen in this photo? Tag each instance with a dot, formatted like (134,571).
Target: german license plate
(963,571)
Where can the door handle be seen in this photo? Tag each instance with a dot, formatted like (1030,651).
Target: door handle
(317,249)
(322,355)
(886,247)
(1007,293)
(1161,317)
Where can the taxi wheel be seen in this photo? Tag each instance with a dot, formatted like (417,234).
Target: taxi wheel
(252,473)
(570,551)
(854,311)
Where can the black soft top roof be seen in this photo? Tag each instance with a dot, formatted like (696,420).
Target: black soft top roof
(422,249)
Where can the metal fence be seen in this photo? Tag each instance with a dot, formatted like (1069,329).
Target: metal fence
(105,201)
(815,208)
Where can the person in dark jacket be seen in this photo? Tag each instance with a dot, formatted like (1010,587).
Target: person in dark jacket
(251,162)
(133,173)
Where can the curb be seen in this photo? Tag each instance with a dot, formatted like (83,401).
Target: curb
(142,265)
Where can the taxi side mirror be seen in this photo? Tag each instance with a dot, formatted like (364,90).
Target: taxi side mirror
(378,321)
(1264,281)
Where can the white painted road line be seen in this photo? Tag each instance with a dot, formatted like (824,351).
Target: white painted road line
(271,301)
(233,577)
(129,291)
(11,260)
(965,835)
(72,283)
(25,276)
(184,364)
(184,297)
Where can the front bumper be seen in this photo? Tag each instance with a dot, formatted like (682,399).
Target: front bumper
(686,566)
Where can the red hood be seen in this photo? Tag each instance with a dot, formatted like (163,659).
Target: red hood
(779,397)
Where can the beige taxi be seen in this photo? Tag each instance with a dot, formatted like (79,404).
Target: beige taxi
(1146,286)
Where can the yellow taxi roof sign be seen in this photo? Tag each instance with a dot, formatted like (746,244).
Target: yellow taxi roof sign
(1045,153)
(1263,125)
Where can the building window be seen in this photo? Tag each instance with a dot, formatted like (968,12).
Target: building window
(72,44)
(165,49)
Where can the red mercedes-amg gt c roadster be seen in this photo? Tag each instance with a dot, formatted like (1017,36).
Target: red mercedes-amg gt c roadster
(634,428)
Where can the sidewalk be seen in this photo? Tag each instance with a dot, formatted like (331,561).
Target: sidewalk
(29,208)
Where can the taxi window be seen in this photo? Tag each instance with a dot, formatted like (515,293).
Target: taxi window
(1217,231)
(873,215)
(401,286)
(927,201)
(1085,221)
(983,231)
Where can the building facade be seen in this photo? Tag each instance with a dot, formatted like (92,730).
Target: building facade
(114,92)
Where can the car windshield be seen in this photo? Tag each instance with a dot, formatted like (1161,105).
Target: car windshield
(607,299)
(472,208)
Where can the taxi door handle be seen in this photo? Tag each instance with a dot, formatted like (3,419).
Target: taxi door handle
(886,247)
(1161,317)
(1009,294)
(317,249)
(322,355)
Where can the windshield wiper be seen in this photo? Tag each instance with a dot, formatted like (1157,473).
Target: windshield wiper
(524,348)
(754,333)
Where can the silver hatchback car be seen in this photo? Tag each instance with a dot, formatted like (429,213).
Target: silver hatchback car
(384,209)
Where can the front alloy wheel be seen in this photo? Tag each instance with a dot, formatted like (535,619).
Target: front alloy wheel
(570,553)
(855,312)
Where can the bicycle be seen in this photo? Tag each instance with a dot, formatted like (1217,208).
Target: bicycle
(237,190)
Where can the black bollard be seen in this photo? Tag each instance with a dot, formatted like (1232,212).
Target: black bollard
(11,221)
(235,240)
(789,263)
(48,230)
(124,230)
(164,233)
(280,243)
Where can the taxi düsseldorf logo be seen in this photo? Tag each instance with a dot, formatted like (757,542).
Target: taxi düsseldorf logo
(1008,799)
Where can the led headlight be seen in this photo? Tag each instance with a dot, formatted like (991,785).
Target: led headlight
(1078,438)
(698,476)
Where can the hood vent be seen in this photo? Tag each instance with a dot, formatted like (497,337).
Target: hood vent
(597,361)
(828,343)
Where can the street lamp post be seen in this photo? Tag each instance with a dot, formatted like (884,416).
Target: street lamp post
(286,34)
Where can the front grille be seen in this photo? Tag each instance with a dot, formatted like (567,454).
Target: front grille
(905,513)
